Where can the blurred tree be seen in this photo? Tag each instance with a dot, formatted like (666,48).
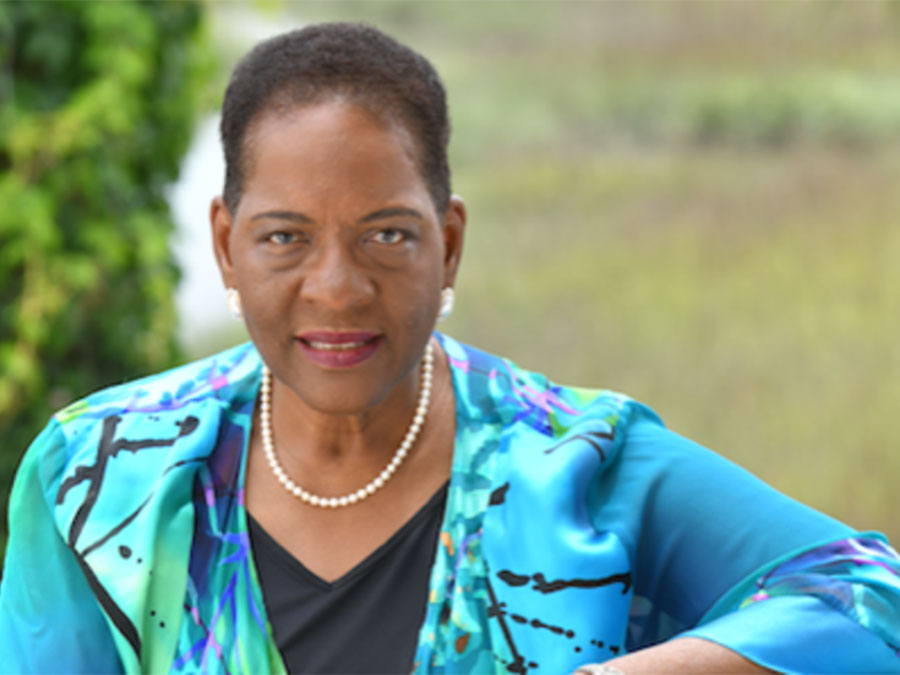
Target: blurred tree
(97,104)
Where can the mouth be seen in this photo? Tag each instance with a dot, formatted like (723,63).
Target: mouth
(334,349)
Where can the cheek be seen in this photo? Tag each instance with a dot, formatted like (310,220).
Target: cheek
(267,296)
(423,283)
(421,299)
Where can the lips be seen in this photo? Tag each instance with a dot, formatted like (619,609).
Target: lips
(334,349)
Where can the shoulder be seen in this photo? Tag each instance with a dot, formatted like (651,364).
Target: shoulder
(495,391)
(149,411)
(537,444)
(231,374)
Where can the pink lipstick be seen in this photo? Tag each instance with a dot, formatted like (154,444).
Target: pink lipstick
(334,349)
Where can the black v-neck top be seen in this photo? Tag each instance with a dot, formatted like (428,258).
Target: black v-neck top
(365,622)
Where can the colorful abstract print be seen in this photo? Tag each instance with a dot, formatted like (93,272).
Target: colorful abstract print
(147,551)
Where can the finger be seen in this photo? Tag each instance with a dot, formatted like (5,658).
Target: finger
(597,669)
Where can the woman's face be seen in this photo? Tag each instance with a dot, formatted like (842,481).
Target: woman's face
(337,252)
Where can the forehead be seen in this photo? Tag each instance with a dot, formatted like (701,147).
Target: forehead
(329,148)
(334,116)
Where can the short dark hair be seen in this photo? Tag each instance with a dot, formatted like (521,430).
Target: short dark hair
(349,60)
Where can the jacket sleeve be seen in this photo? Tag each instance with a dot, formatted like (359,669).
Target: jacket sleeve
(50,621)
(841,598)
(720,555)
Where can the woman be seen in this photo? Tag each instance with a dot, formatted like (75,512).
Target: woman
(354,493)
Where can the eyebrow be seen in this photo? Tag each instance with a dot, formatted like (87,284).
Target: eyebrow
(294,216)
(298,217)
(391,212)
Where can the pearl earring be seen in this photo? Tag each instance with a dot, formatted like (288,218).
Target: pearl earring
(233,300)
(446,303)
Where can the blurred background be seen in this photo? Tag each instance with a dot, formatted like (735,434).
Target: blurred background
(693,203)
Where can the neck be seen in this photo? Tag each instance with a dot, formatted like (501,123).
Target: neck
(339,446)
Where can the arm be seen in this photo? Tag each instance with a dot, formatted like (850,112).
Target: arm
(744,567)
(49,619)
(685,655)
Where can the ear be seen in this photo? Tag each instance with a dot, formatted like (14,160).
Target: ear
(454,229)
(220,220)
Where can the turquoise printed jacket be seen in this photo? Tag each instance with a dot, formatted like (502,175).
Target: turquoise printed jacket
(576,528)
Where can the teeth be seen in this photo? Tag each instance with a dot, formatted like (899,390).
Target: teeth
(335,346)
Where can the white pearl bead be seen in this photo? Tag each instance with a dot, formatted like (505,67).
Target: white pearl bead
(265,415)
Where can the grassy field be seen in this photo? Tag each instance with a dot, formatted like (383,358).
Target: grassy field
(696,204)
(751,299)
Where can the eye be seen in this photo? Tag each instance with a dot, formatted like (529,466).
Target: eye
(282,238)
(389,236)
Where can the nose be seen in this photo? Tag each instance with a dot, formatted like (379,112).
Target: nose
(334,279)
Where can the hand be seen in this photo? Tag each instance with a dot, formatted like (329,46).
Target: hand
(597,669)
(680,655)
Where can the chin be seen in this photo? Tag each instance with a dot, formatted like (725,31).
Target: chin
(339,394)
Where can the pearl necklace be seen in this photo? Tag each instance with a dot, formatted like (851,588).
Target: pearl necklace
(265,416)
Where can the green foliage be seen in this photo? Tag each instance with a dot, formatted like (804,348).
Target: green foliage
(97,104)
